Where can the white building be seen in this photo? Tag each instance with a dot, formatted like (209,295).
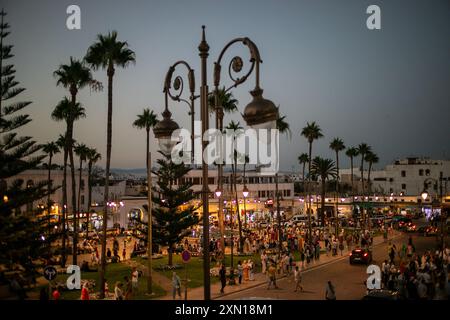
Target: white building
(32,177)
(407,177)
(261,197)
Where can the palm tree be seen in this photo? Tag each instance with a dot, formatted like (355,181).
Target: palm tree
(107,53)
(226,101)
(337,145)
(82,151)
(229,105)
(311,132)
(73,76)
(283,127)
(363,149)
(236,126)
(303,160)
(146,120)
(93,156)
(351,153)
(325,169)
(371,158)
(50,148)
(68,111)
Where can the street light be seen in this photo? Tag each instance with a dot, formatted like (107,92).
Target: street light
(218,192)
(245,192)
(163,131)
(259,113)
(424,194)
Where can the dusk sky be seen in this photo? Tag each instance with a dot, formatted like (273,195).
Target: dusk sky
(388,88)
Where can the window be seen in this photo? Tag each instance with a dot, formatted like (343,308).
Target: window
(82,199)
(263,194)
(403,173)
(427,172)
(403,186)
(391,180)
(196,180)
(421,172)
(211,180)
(288,193)
(82,184)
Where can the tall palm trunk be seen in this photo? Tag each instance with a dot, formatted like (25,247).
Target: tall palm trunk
(49,187)
(337,169)
(369,189)
(322,202)
(72,173)
(147,147)
(351,171)
(309,193)
(79,186)
(303,176)
(277,195)
(110,74)
(362,173)
(337,195)
(88,221)
(245,211)
(64,206)
(241,239)
(362,185)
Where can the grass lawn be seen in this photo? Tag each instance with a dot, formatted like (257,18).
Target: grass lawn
(114,272)
(195,267)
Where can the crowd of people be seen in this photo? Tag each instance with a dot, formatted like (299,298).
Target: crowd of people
(416,276)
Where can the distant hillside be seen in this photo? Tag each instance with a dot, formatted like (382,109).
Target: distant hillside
(125,173)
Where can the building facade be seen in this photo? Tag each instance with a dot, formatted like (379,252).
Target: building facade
(32,177)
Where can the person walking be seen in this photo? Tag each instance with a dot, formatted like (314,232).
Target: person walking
(128,288)
(118,293)
(135,280)
(124,253)
(223,278)
(330,293)
(176,285)
(240,271)
(302,258)
(298,279)
(250,270)
(272,277)
(264,262)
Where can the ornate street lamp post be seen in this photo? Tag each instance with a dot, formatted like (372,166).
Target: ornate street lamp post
(259,113)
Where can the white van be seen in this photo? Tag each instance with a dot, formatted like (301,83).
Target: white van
(300,219)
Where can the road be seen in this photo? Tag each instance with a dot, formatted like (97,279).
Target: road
(348,279)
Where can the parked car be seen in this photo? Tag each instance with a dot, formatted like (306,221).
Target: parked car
(360,255)
(411,227)
(427,231)
(299,219)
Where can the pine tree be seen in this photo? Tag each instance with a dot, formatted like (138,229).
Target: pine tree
(23,235)
(173,213)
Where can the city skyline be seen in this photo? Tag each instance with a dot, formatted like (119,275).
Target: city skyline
(333,70)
